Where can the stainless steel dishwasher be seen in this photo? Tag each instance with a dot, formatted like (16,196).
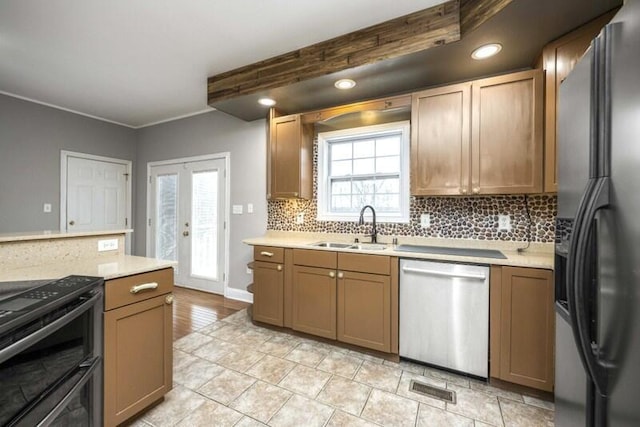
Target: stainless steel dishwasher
(444,315)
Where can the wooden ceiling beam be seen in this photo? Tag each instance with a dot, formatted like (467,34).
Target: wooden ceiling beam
(438,25)
(474,13)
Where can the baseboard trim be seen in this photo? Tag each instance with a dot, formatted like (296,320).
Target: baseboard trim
(238,294)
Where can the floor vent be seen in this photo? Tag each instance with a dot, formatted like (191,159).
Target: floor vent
(431,391)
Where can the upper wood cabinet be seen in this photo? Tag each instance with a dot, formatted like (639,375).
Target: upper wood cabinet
(522,326)
(289,163)
(440,140)
(506,134)
(481,137)
(558,59)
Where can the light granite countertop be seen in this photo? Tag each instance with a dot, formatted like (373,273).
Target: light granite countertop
(56,234)
(538,255)
(109,267)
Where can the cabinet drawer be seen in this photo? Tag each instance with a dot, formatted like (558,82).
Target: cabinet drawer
(312,258)
(123,291)
(374,264)
(268,254)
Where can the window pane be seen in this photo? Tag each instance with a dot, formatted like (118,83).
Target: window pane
(340,150)
(389,164)
(364,149)
(341,187)
(167,217)
(204,230)
(360,200)
(364,187)
(341,168)
(387,202)
(391,185)
(389,146)
(341,203)
(363,166)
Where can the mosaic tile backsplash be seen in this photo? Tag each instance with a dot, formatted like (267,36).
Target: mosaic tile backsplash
(451,217)
(473,217)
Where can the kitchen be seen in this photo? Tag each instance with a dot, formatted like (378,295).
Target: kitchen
(449,218)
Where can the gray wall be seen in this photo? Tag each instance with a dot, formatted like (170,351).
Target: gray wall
(31,137)
(212,133)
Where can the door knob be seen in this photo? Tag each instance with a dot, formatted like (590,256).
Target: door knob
(185,233)
(72,222)
(186,224)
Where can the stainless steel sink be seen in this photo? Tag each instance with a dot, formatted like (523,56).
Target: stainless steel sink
(356,246)
(331,245)
(368,246)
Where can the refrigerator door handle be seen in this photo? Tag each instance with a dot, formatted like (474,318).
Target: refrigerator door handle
(597,199)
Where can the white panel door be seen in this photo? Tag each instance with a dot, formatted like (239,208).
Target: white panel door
(96,195)
(187,215)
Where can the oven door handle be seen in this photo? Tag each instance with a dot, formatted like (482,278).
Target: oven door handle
(89,369)
(31,339)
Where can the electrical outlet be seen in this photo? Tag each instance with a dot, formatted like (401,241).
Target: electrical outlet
(300,218)
(47,208)
(504,223)
(425,220)
(249,271)
(107,245)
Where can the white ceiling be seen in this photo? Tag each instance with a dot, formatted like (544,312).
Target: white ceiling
(138,62)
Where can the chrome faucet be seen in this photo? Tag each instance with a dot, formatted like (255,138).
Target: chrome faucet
(374,232)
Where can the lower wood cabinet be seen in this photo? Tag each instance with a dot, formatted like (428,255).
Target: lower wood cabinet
(314,301)
(364,310)
(138,357)
(522,326)
(268,292)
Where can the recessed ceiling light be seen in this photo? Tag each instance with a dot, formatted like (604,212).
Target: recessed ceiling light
(486,51)
(345,84)
(267,102)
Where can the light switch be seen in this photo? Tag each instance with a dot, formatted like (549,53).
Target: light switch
(47,208)
(237,209)
(249,207)
(425,220)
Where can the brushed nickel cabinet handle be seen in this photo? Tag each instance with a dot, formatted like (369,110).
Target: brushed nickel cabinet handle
(143,287)
(265,253)
(168,299)
(340,275)
(279,268)
(332,274)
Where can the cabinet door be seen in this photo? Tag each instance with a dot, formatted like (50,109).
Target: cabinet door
(364,310)
(290,158)
(506,134)
(440,141)
(560,56)
(138,358)
(268,293)
(314,301)
(527,327)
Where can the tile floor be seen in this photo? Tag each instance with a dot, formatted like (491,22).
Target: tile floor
(233,373)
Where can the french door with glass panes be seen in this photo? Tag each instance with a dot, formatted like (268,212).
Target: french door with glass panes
(186,221)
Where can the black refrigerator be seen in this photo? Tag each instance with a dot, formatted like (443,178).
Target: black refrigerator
(598,232)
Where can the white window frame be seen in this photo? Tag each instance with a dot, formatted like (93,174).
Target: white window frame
(324,138)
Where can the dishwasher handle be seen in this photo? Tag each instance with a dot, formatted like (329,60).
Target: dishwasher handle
(444,273)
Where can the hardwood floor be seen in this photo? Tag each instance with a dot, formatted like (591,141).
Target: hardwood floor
(193,310)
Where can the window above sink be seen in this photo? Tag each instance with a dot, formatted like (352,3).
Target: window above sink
(364,166)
